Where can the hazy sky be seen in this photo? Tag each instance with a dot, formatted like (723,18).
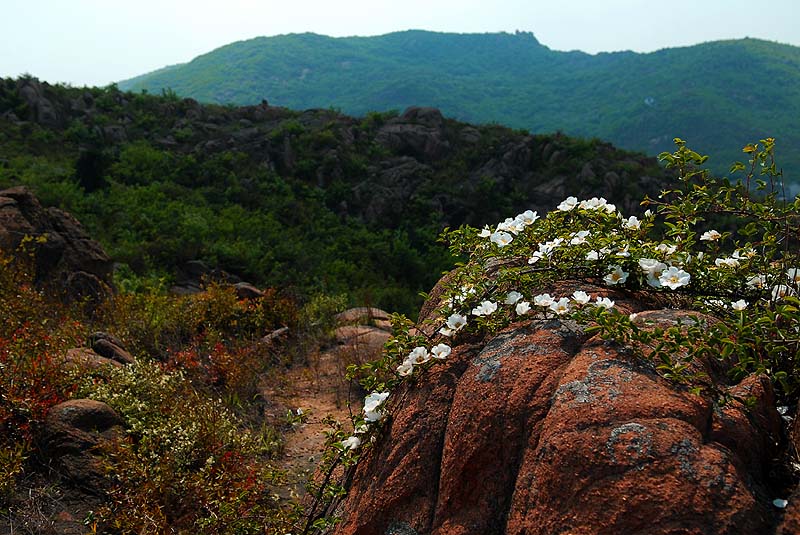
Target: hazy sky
(95,42)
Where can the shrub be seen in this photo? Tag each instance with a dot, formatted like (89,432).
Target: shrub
(186,464)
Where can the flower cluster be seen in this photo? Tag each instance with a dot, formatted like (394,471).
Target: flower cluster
(504,232)
(374,411)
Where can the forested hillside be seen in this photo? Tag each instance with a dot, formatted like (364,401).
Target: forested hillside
(718,95)
(314,201)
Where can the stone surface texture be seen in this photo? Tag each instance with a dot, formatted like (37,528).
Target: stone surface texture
(541,429)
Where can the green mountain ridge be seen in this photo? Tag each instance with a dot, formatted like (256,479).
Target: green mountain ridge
(718,95)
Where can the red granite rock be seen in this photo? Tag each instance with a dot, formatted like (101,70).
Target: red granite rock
(542,429)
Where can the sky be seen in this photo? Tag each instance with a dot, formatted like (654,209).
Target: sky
(97,42)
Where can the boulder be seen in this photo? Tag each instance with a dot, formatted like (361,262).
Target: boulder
(371,316)
(67,256)
(84,358)
(542,429)
(245,290)
(72,433)
(108,349)
(360,343)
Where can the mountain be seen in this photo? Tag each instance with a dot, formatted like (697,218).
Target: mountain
(316,200)
(717,95)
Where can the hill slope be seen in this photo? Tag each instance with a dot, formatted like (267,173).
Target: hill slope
(317,200)
(718,95)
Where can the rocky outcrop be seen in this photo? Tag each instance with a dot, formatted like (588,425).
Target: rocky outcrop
(42,109)
(541,429)
(64,254)
(72,433)
(418,132)
(361,334)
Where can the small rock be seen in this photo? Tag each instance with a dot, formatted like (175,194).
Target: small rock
(110,350)
(71,434)
(245,290)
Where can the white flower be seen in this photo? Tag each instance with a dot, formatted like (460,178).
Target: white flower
(666,248)
(741,254)
(604,302)
(652,266)
(561,306)
(501,239)
(514,226)
(710,235)
(648,213)
(741,304)
(523,307)
(528,217)
(674,278)
(418,355)
(757,281)
(351,443)
(579,237)
(594,204)
(446,331)
(547,247)
(610,208)
(727,262)
(581,297)
(537,255)
(617,276)
(441,351)
(623,252)
(485,308)
(406,368)
(568,204)
(485,232)
(543,300)
(653,280)
(371,404)
(780,291)
(794,275)
(512,297)
(361,429)
(632,316)
(593,255)
(456,322)
(632,223)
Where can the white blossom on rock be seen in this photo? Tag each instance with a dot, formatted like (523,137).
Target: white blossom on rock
(543,300)
(528,217)
(501,238)
(351,443)
(484,309)
(581,297)
(604,302)
(568,204)
(523,307)
(632,223)
(561,306)
(406,368)
(710,235)
(441,351)
(673,278)
(741,304)
(617,276)
(372,406)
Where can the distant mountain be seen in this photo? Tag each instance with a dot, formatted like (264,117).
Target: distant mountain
(718,95)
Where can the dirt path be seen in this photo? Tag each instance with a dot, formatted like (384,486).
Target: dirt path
(319,390)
